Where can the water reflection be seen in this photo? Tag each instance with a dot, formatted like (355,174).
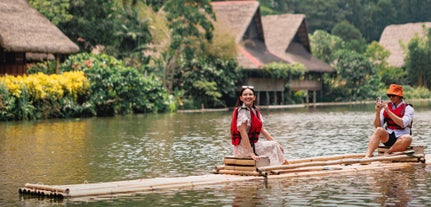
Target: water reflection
(172,145)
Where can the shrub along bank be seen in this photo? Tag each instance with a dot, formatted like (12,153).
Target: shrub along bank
(88,85)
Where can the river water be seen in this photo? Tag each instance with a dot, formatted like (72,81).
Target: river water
(171,145)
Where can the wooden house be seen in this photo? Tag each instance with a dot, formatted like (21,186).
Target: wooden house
(263,40)
(25,35)
(396,36)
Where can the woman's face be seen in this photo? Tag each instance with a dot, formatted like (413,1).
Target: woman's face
(247,97)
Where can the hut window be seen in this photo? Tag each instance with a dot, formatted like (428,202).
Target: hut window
(2,57)
(9,57)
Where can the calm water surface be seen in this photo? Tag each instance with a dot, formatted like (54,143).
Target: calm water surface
(172,145)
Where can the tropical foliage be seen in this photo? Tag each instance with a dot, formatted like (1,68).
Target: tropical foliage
(116,88)
(43,96)
(418,60)
(89,85)
(174,47)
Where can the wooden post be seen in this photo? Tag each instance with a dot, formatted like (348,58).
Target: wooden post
(268,102)
(282,98)
(57,63)
(314,97)
(258,98)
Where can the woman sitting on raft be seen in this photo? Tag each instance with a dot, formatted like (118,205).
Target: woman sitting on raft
(247,125)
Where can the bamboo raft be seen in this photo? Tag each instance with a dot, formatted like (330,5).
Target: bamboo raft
(236,170)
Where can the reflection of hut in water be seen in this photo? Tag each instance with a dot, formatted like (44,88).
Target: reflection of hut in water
(262,40)
(27,36)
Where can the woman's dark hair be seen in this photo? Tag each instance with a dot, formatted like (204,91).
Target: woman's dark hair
(239,102)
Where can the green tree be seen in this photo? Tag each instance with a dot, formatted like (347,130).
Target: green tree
(189,22)
(387,74)
(207,80)
(116,88)
(418,60)
(355,75)
(346,31)
(56,11)
(321,14)
(131,32)
(92,23)
(351,35)
(324,45)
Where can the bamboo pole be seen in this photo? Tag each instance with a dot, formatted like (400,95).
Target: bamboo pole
(236,172)
(219,167)
(308,169)
(46,188)
(336,162)
(326,158)
(240,168)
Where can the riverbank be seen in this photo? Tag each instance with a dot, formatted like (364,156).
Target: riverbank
(306,105)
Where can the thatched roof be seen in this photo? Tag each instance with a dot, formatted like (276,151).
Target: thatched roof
(243,19)
(23,29)
(396,35)
(286,36)
(237,15)
(267,39)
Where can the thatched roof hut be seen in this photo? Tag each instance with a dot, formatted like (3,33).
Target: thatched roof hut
(28,36)
(286,36)
(396,35)
(244,20)
(263,40)
(23,29)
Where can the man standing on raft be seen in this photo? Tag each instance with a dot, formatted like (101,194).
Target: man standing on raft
(393,122)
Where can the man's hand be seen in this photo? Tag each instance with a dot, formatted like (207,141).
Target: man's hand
(379,106)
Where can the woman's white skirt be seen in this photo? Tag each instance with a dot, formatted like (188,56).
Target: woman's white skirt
(270,149)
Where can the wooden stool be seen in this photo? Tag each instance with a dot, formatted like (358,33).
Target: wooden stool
(245,164)
(241,166)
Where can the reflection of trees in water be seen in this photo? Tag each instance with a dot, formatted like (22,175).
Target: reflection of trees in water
(51,147)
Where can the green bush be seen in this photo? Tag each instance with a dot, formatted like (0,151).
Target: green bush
(7,104)
(117,89)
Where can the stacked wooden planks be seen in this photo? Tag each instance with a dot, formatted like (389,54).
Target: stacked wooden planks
(241,166)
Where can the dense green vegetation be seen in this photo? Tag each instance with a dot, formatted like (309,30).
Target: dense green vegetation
(369,17)
(88,85)
(151,50)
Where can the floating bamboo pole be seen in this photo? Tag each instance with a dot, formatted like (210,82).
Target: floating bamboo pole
(132,186)
(336,162)
(326,158)
(237,172)
(307,169)
(46,188)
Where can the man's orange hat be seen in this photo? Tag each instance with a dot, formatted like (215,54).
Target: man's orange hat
(395,89)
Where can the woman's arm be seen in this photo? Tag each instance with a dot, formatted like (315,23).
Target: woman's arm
(268,136)
(246,141)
